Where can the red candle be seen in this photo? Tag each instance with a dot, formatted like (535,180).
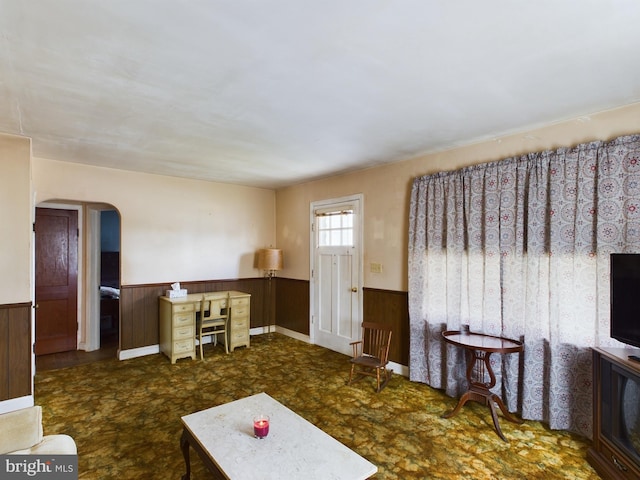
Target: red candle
(261,426)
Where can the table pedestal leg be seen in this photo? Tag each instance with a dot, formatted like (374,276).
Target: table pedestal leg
(493,398)
(481,392)
(463,399)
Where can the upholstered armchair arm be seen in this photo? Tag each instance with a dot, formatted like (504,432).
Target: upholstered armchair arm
(21,429)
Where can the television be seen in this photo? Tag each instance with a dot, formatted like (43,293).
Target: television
(625,298)
(619,392)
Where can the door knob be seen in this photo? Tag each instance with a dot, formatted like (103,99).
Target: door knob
(354,289)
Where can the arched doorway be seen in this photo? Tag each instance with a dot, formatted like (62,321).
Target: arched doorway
(98,285)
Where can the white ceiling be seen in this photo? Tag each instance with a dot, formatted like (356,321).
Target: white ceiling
(274,92)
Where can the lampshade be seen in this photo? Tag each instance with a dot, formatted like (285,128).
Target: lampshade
(270,259)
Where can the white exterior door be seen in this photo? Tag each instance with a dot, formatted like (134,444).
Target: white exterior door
(336,273)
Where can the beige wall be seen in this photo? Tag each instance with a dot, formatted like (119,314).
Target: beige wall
(176,229)
(15,219)
(386,192)
(172,229)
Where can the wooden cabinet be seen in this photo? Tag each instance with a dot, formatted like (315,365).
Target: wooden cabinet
(615,453)
(178,323)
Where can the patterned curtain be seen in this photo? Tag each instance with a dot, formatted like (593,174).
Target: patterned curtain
(520,248)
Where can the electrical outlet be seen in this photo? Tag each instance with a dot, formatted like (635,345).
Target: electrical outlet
(376,267)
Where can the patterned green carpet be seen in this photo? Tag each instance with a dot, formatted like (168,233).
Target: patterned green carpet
(125,416)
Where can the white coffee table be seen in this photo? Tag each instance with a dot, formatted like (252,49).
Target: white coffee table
(294,448)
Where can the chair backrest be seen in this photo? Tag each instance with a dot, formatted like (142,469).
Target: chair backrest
(377,340)
(214,307)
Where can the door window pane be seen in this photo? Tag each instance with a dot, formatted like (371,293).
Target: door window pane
(335,229)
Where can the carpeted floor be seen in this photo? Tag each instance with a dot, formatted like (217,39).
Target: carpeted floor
(125,416)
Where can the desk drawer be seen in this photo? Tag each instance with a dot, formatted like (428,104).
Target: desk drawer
(183,332)
(240,311)
(182,346)
(178,308)
(238,337)
(240,323)
(182,319)
(239,302)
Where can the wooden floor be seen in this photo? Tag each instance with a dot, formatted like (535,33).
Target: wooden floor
(54,361)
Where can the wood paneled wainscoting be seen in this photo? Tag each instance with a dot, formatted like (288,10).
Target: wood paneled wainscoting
(139,316)
(15,350)
(290,305)
(381,306)
(390,308)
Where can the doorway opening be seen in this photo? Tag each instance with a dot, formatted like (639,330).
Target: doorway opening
(109,279)
(97,303)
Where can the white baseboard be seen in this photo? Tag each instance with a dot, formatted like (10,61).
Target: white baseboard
(16,404)
(290,333)
(152,349)
(399,369)
(263,330)
(396,367)
(138,352)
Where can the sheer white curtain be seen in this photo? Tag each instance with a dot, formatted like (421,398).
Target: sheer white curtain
(520,248)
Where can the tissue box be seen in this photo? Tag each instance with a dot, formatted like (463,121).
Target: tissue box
(177,293)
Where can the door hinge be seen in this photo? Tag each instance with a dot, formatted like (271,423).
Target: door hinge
(34,226)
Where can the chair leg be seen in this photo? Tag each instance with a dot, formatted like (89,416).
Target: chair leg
(385,380)
(382,376)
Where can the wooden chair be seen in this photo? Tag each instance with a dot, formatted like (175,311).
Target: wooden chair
(213,320)
(371,354)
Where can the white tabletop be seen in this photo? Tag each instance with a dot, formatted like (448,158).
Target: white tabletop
(294,448)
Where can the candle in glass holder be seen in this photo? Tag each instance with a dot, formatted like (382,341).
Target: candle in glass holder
(261,426)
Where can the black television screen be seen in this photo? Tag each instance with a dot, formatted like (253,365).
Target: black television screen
(625,298)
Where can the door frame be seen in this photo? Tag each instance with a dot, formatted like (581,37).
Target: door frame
(88,301)
(358,233)
(80,272)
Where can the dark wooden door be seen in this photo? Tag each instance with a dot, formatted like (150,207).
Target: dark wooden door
(56,239)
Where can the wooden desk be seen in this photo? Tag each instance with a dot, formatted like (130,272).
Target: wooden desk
(178,323)
(479,348)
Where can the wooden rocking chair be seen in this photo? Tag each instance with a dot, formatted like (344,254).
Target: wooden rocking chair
(371,354)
